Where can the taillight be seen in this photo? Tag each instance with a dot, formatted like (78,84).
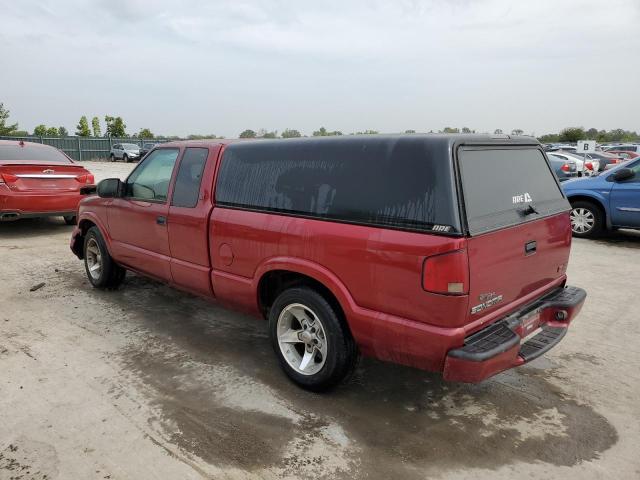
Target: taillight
(447,273)
(565,167)
(588,166)
(88,178)
(8,178)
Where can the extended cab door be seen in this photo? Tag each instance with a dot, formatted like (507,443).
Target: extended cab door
(191,205)
(624,201)
(138,221)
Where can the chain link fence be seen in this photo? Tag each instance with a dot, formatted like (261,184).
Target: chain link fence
(84,148)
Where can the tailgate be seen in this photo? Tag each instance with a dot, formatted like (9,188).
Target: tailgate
(43,178)
(518,221)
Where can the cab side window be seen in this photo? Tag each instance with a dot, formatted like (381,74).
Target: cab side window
(189,178)
(150,181)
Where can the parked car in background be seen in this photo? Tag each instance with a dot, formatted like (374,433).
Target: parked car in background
(606,201)
(604,160)
(558,146)
(146,148)
(626,148)
(583,168)
(124,151)
(624,154)
(353,244)
(564,169)
(39,181)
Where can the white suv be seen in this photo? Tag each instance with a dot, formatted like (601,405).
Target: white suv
(124,151)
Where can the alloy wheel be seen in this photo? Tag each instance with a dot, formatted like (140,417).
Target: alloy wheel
(302,339)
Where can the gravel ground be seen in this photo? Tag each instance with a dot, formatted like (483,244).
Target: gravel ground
(150,383)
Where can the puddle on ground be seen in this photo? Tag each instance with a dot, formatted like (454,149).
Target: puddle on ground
(213,378)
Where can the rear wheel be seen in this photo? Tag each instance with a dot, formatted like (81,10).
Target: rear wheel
(112,158)
(101,270)
(312,343)
(586,219)
(70,219)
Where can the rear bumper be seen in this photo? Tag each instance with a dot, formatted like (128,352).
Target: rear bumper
(27,205)
(499,346)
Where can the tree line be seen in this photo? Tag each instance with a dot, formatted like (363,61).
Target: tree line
(116,127)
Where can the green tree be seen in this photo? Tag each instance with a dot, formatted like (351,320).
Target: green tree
(273,134)
(409,131)
(4,128)
(40,130)
(52,132)
(497,131)
(248,134)
(145,133)
(82,130)
(517,131)
(115,126)
(549,138)
(466,130)
(95,125)
(290,133)
(572,134)
(63,132)
(323,132)
(450,130)
(592,134)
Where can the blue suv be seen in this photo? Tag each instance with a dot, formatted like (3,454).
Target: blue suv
(607,201)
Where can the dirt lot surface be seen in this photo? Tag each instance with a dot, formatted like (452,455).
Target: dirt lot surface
(150,383)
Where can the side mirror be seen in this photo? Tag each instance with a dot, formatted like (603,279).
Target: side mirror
(110,188)
(623,174)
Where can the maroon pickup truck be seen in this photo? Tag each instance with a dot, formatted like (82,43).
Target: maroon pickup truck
(446,253)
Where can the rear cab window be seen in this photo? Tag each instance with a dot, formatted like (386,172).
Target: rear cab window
(187,188)
(507,186)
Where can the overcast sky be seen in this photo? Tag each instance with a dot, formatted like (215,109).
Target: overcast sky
(223,66)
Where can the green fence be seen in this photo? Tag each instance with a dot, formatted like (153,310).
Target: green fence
(83,148)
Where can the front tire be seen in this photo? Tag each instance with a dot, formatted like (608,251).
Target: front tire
(310,339)
(587,220)
(112,158)
(101,270)
(125,158)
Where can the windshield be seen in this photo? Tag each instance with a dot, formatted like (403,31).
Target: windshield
(130,146)
(29,152)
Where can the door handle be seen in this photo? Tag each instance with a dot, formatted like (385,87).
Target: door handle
(530,247)
(161,220)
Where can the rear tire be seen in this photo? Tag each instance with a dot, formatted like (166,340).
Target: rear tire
(70,219)
(312,342)
(587,219)
(112,158)
(101,270)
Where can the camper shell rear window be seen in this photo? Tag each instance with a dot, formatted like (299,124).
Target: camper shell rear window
(507,186)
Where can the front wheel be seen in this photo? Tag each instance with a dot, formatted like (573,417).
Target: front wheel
(112,158)
(101,270)
(586,219)
(312,342)
(125,157)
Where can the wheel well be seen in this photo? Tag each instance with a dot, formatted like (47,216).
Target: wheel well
(275,282)
(84,225)
(594,201)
